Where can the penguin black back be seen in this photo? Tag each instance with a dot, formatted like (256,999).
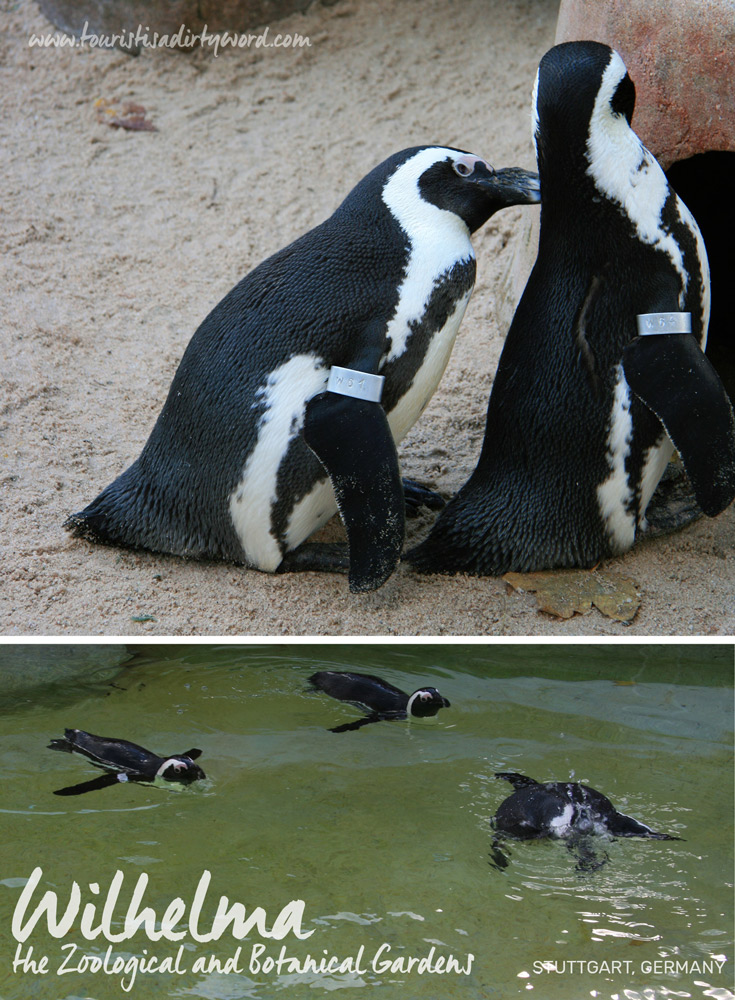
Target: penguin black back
(583,409)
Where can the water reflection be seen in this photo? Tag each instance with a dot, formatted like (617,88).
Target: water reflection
(385,832)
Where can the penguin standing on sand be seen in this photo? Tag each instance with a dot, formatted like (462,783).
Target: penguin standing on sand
(292,394)
(125,761)
(565,810)
(602,374)
(379,698)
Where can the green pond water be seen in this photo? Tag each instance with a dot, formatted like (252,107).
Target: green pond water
(384,832)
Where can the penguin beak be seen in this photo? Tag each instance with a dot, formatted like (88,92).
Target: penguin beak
(510,186)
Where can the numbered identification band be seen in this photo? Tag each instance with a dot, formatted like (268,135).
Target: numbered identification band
(650,323)
(361,385)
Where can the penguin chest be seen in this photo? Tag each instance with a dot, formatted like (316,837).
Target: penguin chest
(624,495)
(421,336)
(265,485)
(423,385)
(561,824)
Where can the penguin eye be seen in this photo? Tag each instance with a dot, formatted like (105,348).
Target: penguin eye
(462,168)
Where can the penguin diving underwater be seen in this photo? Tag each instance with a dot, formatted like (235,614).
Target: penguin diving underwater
(125,761)
(564,810)
(292,395)
(602,374)
(377,697)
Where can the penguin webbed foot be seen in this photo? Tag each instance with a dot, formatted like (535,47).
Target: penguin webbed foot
(588,859)
(416,495)
(317,557)
(499,860)
(673,505)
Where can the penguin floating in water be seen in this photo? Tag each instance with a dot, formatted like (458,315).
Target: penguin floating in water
(293,393)
(377,697)
(125,762)
(602,373)
(564,810)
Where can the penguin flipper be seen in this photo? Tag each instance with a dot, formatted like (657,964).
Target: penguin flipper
(352,440)
(517,780)
(103,781)
(673,377)
(621,825)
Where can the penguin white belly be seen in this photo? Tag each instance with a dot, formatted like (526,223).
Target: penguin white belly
(614,495)
(284,395)
(438,241)
(416,398)
(654,464)
(561,825)
(311,513)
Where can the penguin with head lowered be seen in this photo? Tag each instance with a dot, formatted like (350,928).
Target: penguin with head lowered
(293,393)
(564,810)
(602,373)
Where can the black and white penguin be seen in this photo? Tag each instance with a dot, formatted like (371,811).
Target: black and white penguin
(125,761)
(293,393)
(564,810)
(602,374)
(377,697)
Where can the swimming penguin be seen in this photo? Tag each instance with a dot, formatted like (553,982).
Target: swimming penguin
(126,762)
(293,393)
(381,699)
(564,810)
(602,374)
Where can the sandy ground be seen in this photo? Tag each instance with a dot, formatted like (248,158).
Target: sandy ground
(117,244)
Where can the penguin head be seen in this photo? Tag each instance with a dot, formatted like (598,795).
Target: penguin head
(425,702)
(427,188)
(181,768)
(468,186)
(583,104)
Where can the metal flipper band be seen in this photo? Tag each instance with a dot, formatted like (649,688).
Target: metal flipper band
(361,385)
(673,322)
